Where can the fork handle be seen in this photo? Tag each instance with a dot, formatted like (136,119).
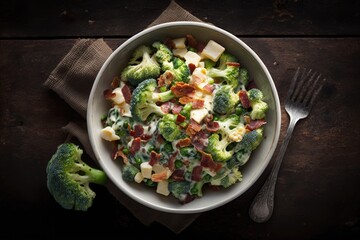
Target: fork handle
(262,206)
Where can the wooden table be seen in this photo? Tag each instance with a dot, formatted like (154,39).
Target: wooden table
(318,189)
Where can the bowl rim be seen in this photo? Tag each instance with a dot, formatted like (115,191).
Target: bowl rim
(270,152)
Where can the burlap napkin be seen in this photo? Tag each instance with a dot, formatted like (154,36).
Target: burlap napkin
(72,80)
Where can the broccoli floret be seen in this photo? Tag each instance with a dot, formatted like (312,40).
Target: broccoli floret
(225,100)
(141,66)
(229,75)
(208,63)
(128,172)
(249,143)
(196,188)
(217,147)
(169,129)
(163,53)
(259,107)
(178,68)
(224,58)
(69,178)
(231,177)
(179,189)
(244,76)
(144,98)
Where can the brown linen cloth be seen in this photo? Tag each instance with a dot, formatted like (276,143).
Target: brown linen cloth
(72,80)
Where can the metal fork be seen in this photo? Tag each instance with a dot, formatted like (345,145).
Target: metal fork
(300,98)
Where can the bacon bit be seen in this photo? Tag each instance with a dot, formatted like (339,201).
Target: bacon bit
(166,107)
(165,79)
(193,128)
(212,126)
(120,153)
(181,89)
(254,124)
(196,173)
(200,46)
(154,158)
(244,99)
(158,177)
(196,80)
(207,160)
(233,64)
(191,41)
(138,131)
(108,94)
(180,118)
(160,139)
(171,162)
(115,82)
(126,93)
(169,43)
(208,118)
(176,109)
(251,85)
(208,88)
(135,145)
(191,67)
(183,142)
(184,100)
(200,140)
(198,103)
(178,175)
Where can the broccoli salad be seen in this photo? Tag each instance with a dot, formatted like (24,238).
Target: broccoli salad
(185,117)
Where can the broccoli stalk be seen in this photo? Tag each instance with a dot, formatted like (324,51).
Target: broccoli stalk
(225,100)
(141,66)
(69,178)
(144,98)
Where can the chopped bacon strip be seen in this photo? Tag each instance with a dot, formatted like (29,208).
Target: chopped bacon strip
(169,43)
(115,82)
(126,93)
(200,46)
(184,100)
(251,85)
(165,79)
(166,107)
(176,109)
(208,88)
(178,175)
(108,94)
(154,158)
(180,118)
(193,128)
(138,131)
(135,145)
(191,41)
(183,142)
(197,103)
(191,67)
(254,124)
(212,126)
(200,140)
(196,173)
(233,64)
(158,177)
(244,99)
(120,153)
(208,118)
(181,89)
(171,162)
(207,161)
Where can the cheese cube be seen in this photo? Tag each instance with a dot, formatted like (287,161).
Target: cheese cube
(146,170)
(192,57)
(119,97)
(162,188)
(179,42)
(212,50)
(179,52)
(108,134)
(198,114)
(138,177)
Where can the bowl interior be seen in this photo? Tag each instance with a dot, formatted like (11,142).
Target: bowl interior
(97,106)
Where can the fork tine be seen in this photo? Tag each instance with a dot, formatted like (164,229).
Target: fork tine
(299,84)
(293,83)
(306,88)
(313,96)
(310,89)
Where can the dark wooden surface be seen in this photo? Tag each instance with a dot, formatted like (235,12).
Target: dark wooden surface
(318,189)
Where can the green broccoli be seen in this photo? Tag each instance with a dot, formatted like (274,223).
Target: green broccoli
(208,63)
(217,147)
(229,75)
(249,143)
(178,68)
(179,189)
(169,129)
(225,100)
(69,178)
(225,58)
(141,66)
(229,178)
(259,107)
(244,76)
(128,172)
(144,98)
(163,53)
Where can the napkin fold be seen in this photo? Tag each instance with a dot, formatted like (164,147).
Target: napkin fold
(72,80)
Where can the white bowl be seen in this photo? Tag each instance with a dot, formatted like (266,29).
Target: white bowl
(260,158)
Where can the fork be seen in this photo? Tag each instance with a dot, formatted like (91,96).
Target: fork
(300,98)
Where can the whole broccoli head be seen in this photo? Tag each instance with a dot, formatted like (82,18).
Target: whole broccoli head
(225,100)
(69,178)
(259,107)
(144,98)
(178,68)
(141,66)
(169,129)
(163,53)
